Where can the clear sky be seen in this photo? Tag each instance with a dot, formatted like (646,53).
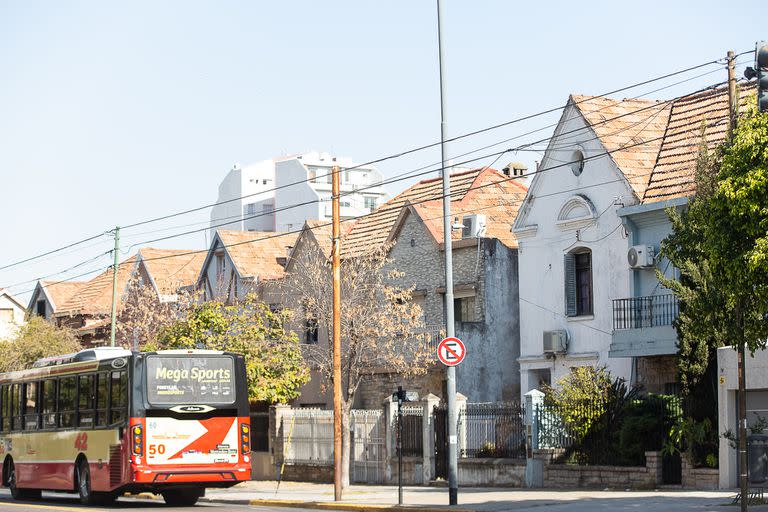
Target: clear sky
(114,112)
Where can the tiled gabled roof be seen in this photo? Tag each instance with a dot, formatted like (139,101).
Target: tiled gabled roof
(373,229)
(257,254)
(492,194)
(635,124)
(694,119)
(95,296)
(170,269)
(59,292)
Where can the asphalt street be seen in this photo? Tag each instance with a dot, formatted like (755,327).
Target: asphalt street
(70,503)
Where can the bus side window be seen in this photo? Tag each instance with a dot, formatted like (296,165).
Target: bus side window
(29,406)
(5,422)
(67,393)
(3,401)
(119,402)
(102,399)
(86,401)
(48,398)
(15,407)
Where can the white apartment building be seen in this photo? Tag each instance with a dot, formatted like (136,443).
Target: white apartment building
(280,194)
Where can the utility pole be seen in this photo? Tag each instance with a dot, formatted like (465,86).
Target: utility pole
(336,263)
(453,480)
(114,287)
(733,101)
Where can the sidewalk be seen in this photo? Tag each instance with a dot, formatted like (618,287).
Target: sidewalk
(369,497)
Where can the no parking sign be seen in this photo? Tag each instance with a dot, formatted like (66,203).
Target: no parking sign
(451,351)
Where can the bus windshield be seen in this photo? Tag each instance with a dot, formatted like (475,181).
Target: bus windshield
(182,379)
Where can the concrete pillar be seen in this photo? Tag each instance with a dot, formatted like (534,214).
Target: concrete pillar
(534,468)
(653,463)
(276,434)
(390,426)
(461,431)
(728,469)
(428,441)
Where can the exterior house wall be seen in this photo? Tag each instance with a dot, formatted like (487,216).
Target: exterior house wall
(227,286)
(653,347)
(489,372)
(543,242)
(12,316)
(39,295)
(756,371)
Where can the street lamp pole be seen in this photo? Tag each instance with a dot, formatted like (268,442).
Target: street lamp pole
(453,486)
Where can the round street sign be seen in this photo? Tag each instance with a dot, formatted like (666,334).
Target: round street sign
(451,351)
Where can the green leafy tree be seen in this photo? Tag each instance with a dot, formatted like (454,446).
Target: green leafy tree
(720,245)
(580,398)
(275,367)
(36,339)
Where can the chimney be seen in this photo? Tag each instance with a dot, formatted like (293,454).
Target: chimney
(515,169)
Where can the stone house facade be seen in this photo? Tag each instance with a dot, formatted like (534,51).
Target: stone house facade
(485,282)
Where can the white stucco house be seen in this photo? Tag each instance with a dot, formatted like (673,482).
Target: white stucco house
(280,194)
(590,232)
(11,314)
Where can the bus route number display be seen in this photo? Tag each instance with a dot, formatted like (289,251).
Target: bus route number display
(190,380)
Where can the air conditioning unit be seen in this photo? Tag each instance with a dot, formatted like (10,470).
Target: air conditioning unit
(474,225)
(555,342)
(641,256)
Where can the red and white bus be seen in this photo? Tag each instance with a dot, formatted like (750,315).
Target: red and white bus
(106,421)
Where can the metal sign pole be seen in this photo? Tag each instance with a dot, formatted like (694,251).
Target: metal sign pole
(453,486)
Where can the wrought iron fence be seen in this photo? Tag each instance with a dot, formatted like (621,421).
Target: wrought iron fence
(492,430)
(605,434)
(413,434)
(642,312)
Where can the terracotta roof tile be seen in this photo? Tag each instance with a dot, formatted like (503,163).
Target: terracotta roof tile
(493,194)
(171,269)
(618,124)
(694,119)
(373,229)
(60,291)
(95,296)
(257,254)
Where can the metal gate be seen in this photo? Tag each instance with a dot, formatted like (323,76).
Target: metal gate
(369,451)
(440,421)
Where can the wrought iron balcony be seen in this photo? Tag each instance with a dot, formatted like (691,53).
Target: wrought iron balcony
(644,312)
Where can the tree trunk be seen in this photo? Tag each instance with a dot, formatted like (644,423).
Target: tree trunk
(346,444)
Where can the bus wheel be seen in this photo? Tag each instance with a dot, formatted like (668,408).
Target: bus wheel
(182,497)
(16,493)
(84,483)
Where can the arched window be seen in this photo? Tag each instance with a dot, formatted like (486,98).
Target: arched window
(578,282)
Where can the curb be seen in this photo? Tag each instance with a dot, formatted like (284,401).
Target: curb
(329,505)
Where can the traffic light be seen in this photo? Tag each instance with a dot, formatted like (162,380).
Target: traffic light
(761,72)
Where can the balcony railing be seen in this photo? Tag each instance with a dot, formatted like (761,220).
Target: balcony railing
(643,312)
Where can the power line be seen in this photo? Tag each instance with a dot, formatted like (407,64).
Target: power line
(389,157)
(659,105)
(498,154)
(431,145)
(31,258)
(240,217)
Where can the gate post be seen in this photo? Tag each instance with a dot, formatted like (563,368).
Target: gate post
(534,468)
(461,428)
(428,438)
(390,413)
(276,435)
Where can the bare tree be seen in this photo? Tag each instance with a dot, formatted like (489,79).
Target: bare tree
(143,315)
(382,329)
